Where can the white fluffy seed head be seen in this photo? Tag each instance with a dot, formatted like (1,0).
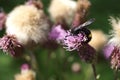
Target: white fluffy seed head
(28,24)
(115,23)
(62,9)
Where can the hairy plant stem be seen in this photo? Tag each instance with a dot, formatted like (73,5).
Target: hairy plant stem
(33,61)
(94,71)
(34,64)
(116,74)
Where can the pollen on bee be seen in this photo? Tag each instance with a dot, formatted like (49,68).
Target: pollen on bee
(90,35)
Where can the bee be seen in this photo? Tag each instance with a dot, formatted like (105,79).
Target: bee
(83,29)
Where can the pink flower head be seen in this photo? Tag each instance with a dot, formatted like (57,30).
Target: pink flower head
(108,49)
(76,36)
(87,53)
(57,33)
(112,52)
(115,58)
(9,44)
(78,42)
(73,42)
(25,67)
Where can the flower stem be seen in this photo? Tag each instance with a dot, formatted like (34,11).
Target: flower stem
(94,71)
(35,65)
(116,75)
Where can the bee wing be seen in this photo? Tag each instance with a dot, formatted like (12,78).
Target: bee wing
(84,24)
(87,22)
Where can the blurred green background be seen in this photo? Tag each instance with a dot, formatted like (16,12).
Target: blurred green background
(57,65)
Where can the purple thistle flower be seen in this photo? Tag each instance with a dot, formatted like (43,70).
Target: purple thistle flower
(112,51)
(108,49)
(78,42)
(77,38)
(73,42)
(115,58)
(87,53)
(10,45)
(25,67)
(57,33)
